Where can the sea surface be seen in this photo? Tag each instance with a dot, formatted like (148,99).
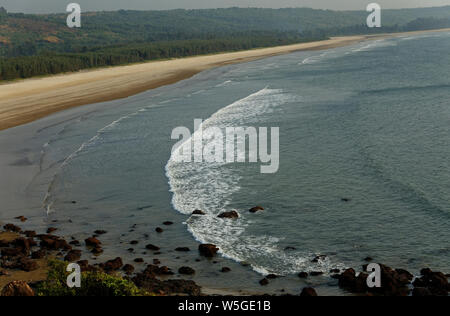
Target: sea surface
(364,162)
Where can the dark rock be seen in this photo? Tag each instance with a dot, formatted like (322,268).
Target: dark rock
(426,271)
(39,254)
(271,276)
(100,232)
(231,214)
(183,249)
(308,291)
(21,218)
(421,291)
(154,270)
(30,233)
(134,242)
(17,288)
(319,258)
(347,279)
(208,250)
(368,259)
(303,275)
(12,228)
(97,251)
(139,260)
(186,271)
(405,273)
(128,268)
(256,209)
(23,244)
(73,255)
(28,265)
(435,282)
(346,199)
(198,212)
(112,265)
(225,270)
(75,243)
(156,261)
(92,242)
(335,271)
(152,247)
(168,223)
(11,252)
(4,243)
(360,285)
(51,230)
(147,281)
(159,230)
(316,273)
(264,282)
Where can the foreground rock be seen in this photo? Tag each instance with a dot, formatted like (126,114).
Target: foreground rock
(435,283)
(308,291)
(396,283)
(17,288)
(148,281)
(208,250)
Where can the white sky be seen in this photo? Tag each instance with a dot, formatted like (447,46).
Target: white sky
(51,6)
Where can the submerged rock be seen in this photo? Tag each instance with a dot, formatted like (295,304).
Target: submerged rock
(186,271)
(152,247)
(256,209)
(198,212)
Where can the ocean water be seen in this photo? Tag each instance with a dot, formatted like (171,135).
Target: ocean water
(368,123)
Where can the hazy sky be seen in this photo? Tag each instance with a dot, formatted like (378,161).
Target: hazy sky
(50,6)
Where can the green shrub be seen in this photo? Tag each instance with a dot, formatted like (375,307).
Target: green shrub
(92,284)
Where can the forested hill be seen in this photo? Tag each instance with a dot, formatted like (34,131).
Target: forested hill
(40,44)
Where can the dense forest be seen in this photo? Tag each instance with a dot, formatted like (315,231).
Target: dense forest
(33,45)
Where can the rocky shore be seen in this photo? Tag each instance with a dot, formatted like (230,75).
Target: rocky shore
(32,263)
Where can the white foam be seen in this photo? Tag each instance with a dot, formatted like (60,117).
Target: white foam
(210,187)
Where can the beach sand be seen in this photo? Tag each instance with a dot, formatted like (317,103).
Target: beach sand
(27,100)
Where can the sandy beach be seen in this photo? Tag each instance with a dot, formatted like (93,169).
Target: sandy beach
(27,100)
(31,99)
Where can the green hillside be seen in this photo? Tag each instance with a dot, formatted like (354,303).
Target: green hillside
(39,44)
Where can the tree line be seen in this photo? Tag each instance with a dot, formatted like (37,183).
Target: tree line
(54,63)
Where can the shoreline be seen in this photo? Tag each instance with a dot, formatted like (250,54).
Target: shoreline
(31,99)
(16,144)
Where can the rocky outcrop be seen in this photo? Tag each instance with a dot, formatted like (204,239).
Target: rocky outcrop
(208,250)
(112,265)
(73,255)
(434,282)
(198,212)
(17,288)
(12,228)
